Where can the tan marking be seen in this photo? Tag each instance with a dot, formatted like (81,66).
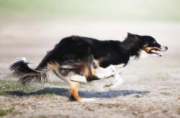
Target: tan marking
(53,66)
(121,65)
(147,49)
(88,72)
(74,89)
(96,62)
(85,70)
(92,70)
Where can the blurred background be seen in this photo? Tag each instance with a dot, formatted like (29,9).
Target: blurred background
(30,28)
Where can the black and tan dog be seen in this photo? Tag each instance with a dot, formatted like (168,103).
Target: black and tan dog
(76,59)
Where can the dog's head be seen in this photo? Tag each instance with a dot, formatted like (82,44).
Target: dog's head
(147,45)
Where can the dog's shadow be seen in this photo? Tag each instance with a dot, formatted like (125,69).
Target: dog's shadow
(86,94)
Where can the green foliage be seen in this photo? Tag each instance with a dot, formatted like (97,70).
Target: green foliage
(5,112)
(167,10)
(12,88)
(7,86)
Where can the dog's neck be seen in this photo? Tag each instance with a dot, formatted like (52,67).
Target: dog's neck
(131,48)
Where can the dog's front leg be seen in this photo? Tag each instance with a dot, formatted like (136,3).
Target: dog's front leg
(105,72)
(116,82)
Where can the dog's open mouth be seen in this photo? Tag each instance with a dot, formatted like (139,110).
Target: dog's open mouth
(156,52)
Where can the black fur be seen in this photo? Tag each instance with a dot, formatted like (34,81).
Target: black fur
(73,53)
(27,75)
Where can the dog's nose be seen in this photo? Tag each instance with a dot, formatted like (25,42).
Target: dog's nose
(166,47)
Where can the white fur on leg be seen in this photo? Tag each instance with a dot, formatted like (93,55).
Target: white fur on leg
(78,78)
(116,82)
(104,72)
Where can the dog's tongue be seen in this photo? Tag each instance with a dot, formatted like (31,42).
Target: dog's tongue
(157,53)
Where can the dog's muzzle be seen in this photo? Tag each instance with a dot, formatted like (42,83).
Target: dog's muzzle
(164,48)
(159,51)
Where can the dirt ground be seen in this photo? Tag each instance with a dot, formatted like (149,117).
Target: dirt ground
(151,86)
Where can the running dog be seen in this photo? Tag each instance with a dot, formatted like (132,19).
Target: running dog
(78,59)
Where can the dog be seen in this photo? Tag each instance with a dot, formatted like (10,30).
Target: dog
(77,59)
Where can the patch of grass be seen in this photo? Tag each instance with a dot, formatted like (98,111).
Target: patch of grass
(178,110)
(5,112)
(13,88)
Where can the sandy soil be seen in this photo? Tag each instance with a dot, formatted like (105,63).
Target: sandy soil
(151,86)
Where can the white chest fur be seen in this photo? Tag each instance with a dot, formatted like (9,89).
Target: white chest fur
(143,54)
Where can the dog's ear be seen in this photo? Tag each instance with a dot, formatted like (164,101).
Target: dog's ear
(129,34)
(132,36)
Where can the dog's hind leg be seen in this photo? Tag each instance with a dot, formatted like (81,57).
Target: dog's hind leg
(74,88)
(74,93)
(88,68)
(89,72)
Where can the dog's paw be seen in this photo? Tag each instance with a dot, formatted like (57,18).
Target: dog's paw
(108,87)
(105,75)
(87,100)
(108,77)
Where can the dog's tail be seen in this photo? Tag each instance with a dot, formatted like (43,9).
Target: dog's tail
(27,75)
